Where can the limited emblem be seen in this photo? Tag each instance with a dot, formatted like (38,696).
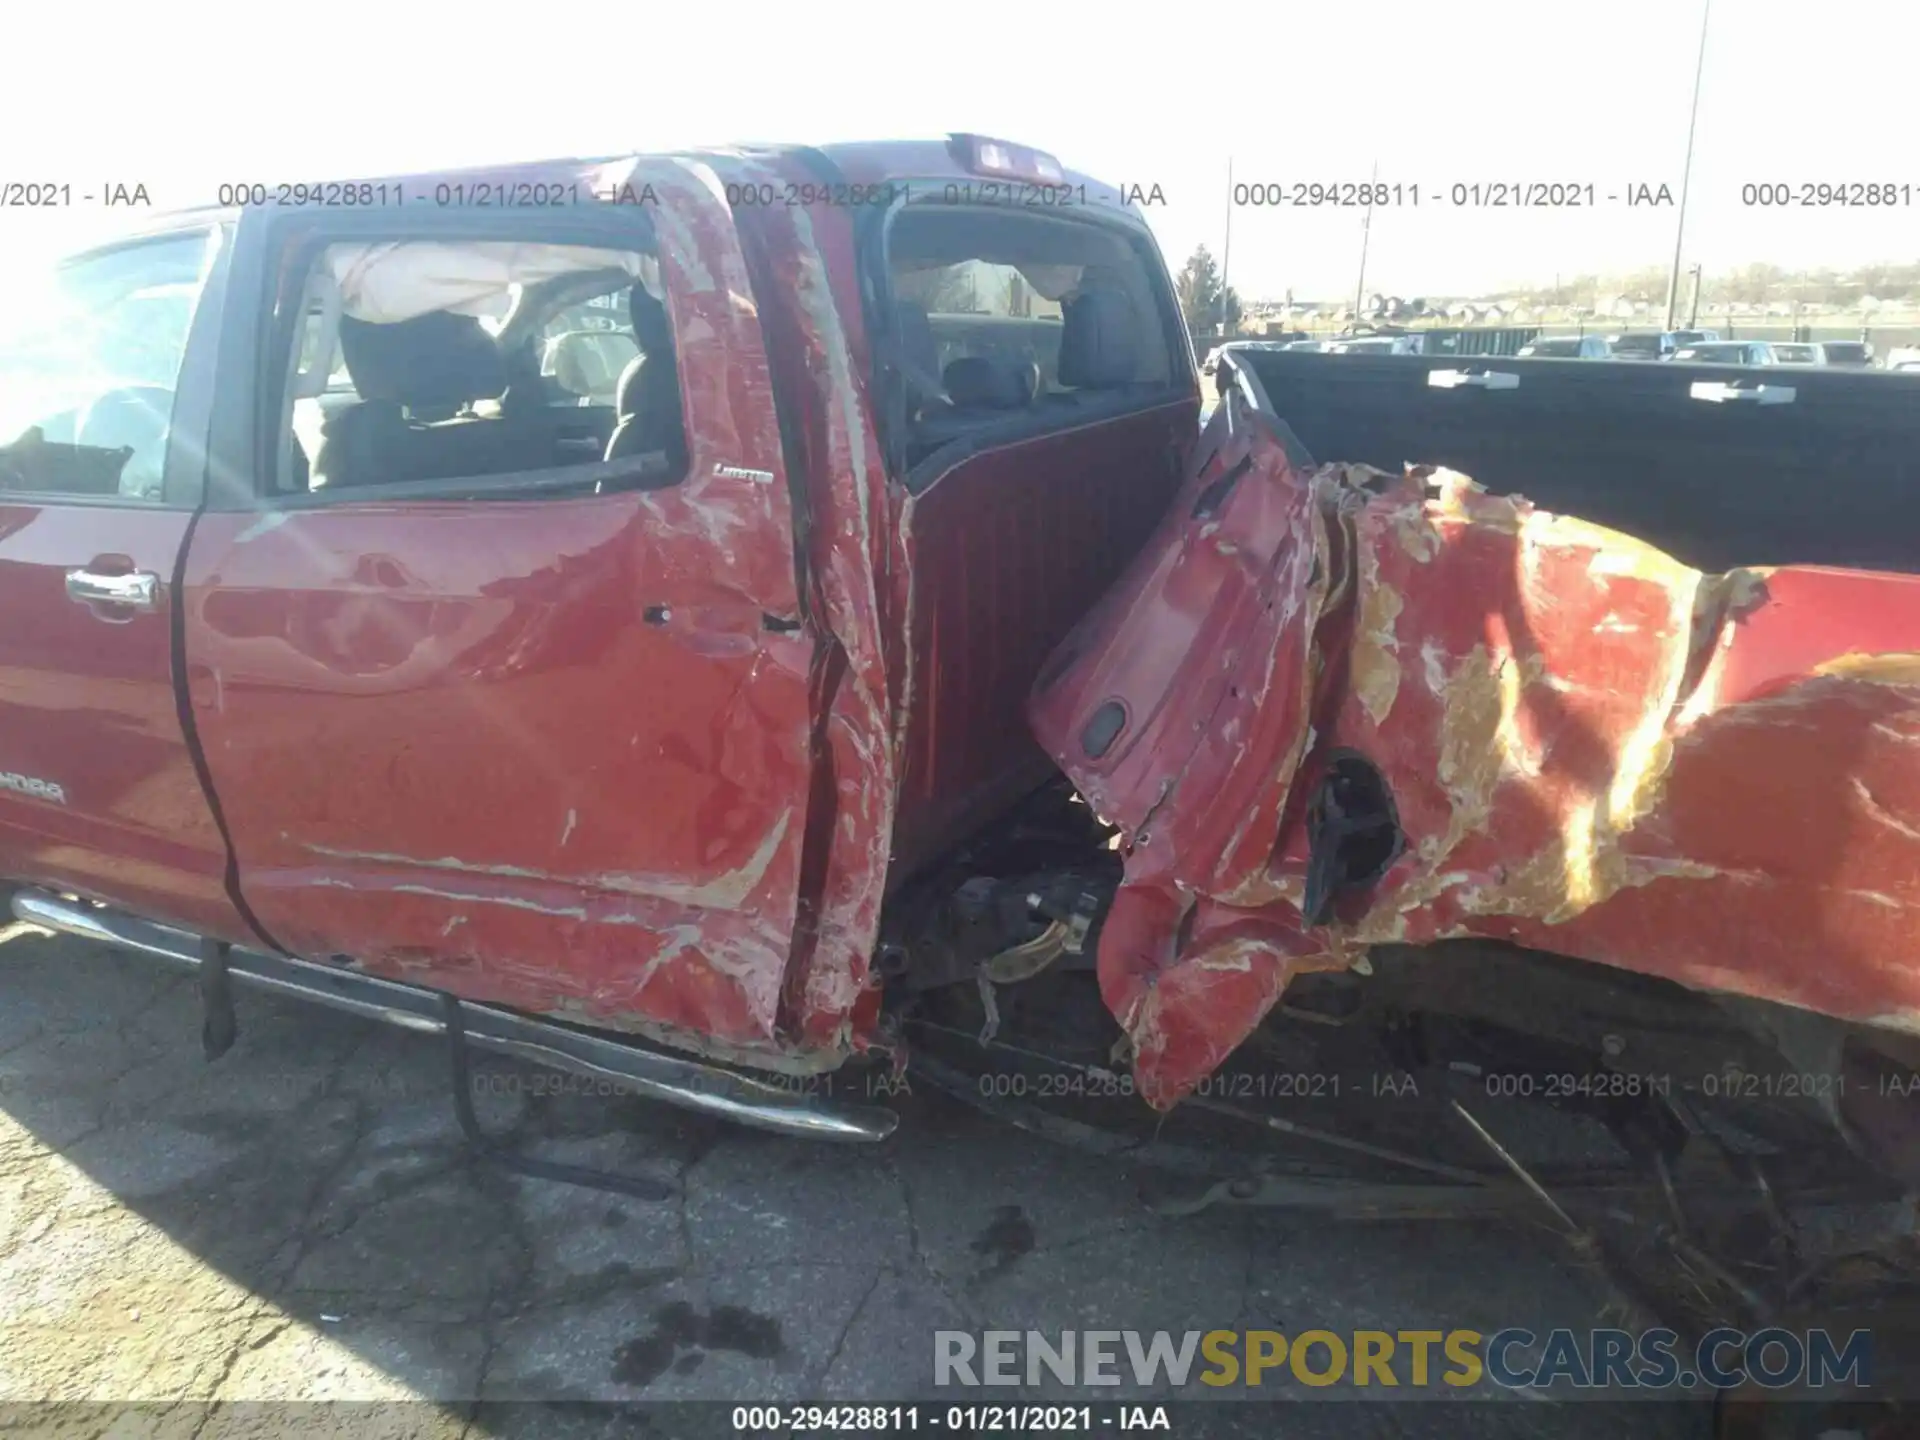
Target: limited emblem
(740,472)
(27,785)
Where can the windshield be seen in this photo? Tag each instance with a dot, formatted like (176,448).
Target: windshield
(1846,350)
(1636,344)
(1719,354)
(1795,354)
(1554,347)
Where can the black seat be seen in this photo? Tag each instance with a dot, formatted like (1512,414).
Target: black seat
(408,375)
(647,403)
(569,431)
(1098,339)
(982,382)
(360,445)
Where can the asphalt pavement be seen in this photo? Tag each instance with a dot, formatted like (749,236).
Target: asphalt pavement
(190,1248)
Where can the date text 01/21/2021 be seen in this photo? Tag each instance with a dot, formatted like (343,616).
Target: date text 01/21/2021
(511,195)
(1465,195)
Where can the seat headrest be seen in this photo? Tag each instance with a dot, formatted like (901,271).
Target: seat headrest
(977,383)
(1097,339)
(429,362)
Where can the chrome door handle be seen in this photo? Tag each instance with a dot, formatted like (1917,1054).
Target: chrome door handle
(139,591)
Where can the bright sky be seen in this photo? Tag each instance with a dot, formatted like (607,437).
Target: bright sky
(1436,93)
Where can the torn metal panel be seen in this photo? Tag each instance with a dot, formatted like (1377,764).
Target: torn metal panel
(1591,749)
(802,260)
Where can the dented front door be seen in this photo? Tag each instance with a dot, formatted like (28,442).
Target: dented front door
(549,752)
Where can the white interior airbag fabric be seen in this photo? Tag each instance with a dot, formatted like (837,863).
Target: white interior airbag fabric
(391,281)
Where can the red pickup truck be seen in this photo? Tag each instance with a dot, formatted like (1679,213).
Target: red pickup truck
(706,619)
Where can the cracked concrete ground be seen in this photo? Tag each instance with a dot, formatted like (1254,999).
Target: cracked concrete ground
(300,1221)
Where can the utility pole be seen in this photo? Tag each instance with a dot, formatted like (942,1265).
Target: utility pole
(1366,232)
(1686,175)
(1226,249)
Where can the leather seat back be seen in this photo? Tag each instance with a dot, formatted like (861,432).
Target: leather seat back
(1099,347)
(978,382)
(429,366)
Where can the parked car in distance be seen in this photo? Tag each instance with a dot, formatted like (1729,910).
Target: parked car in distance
(1641,345)
(1694,337)
(1565,347)
(1728,352)
(1375,345)
(1796,353)
(1857,353)
(1904,357)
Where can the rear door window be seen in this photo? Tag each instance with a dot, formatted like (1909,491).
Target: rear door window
(425,361)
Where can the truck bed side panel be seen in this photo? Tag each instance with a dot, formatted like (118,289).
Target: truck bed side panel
(1591,749)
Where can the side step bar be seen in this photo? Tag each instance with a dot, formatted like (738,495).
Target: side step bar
(691,1084)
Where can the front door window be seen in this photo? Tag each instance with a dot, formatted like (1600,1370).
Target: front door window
(90,357)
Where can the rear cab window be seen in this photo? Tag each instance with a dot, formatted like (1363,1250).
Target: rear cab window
(1008,322)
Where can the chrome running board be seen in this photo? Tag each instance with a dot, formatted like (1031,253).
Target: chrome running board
(688,1083)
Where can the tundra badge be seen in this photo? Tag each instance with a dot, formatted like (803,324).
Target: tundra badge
(27,785)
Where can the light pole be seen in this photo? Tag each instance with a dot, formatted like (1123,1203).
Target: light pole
(1366,231)
(1686,175)
(1226,249)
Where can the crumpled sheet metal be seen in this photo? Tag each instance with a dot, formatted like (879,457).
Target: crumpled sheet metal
(804,263)
(1592,750)
(676,827)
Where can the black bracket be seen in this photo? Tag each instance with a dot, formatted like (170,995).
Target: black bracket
(218,1026)
(641,1187)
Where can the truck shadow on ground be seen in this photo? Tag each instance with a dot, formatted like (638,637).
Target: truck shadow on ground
(303,1221)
